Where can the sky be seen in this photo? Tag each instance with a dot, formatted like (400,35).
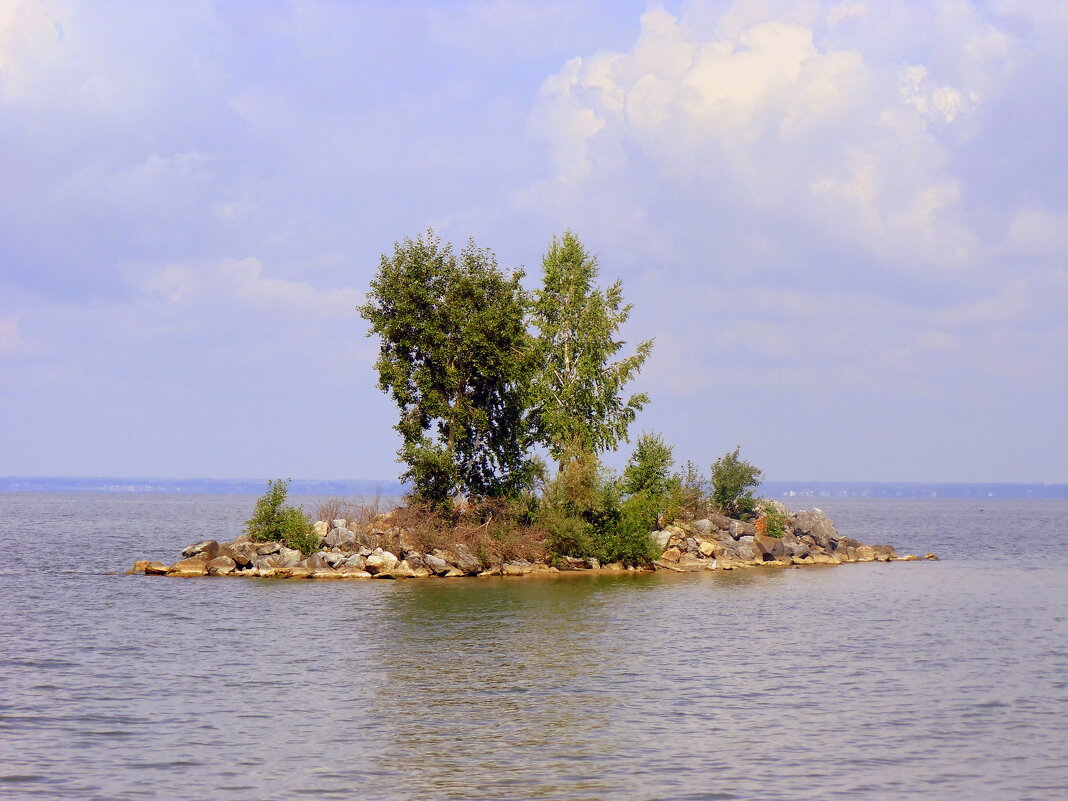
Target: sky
(844,223)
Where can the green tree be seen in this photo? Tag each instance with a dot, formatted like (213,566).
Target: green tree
(649,468)
(576,392)
(455,356)
(733,482)
(273,519)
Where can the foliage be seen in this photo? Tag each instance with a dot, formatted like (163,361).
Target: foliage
(272,519)
(649,468)
(628,541)
(455,356)
(772,520)
(687,496)
(733,481)
(297,531)
(576,390)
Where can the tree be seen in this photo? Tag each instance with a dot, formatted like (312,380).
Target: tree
(455,357)
(576,390)
(733,480)
(649,468)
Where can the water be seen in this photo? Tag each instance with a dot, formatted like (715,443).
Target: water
(941,680)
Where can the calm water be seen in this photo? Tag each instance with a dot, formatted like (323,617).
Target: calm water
(944,680)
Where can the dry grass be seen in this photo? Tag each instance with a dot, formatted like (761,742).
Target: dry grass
(360,511)
(493,535)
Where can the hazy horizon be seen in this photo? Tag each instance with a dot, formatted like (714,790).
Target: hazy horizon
(844,223)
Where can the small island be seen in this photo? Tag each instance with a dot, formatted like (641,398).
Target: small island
(493,383)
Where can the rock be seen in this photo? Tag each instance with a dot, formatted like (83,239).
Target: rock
(459,556)
(593,563)
(315,562)
(436,565)
(690,545)
(930,557)
(908,557)
(221,566)
(739,529)
(403,570)
(615,567)
(572,563)
(884,553)
(453,573)
(771,548)
(241,552)
(208,548)
(703,527)
(380,562)
(660,538)
(706,549)
(671,555)
(194,566)
(340,538)
(299,572)
(690,563)
(288,557)
(321,528)
(339,523)
(138,567)
(155,569)
(495,570)
(721,522)
(262,563)
(267,548)
(351,572)
(815,524)
(516,568)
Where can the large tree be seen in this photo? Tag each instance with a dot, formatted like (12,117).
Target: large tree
(577,389)
(455,356)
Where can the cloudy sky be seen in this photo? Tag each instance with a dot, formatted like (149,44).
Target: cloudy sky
(845,223)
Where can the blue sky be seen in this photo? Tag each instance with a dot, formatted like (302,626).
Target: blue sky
(845,223)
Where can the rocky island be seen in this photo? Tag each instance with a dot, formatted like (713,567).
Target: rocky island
(383,549)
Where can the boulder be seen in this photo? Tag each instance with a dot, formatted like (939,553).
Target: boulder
(771,548)
(288,557)
(321,528)
(315,562)
(459,556)
(208,548)
(721,522)
(380,562)
(703,526)
(671,555)
(436,565)
(138,567)
(267,548)
(815,524)
(220,566)
(155,569)
(516,568)
(740,528)
(334,558)
(339,523)
(885,553)
(706,549)
(660,538)
(351,572)
(340,538)
(356,562)
(930,557)
(194,566)
(241,552)
(690,563)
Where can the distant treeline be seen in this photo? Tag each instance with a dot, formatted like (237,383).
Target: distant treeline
(850,489)
(197,486)
(366,487)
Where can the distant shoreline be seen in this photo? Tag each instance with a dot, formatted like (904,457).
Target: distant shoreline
(370,487)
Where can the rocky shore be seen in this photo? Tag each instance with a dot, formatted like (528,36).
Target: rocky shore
(383,550)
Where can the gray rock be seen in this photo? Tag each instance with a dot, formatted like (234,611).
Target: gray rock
(220,566)
(288,557)
(266,548)
(207,548)
(241,552)
(321,528)
(661,538)
(703,526)
(356,561)
(380,562)
(340,523)
(340,538)
(722,522)
(334,558)
(815,524)
(459,556)
(436,565)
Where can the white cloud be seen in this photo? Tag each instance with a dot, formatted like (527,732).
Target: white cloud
(243,281)
(30,35)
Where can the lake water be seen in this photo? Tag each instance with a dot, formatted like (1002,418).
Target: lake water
(934,680)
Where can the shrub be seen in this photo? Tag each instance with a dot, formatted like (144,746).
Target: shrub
(297,530)
(580,504)
(733,481)
(273,520)
(627,539)
(266,521)
(649,468)
(772,520)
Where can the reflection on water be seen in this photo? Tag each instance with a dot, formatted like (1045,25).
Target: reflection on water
(920,680)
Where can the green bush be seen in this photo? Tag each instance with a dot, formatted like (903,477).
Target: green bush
(273,520)
(627,540)
(649,468)
(774,520)
(297,530)
(733,481)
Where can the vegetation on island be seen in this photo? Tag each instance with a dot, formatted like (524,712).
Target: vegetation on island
(274,520)
(490,378)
